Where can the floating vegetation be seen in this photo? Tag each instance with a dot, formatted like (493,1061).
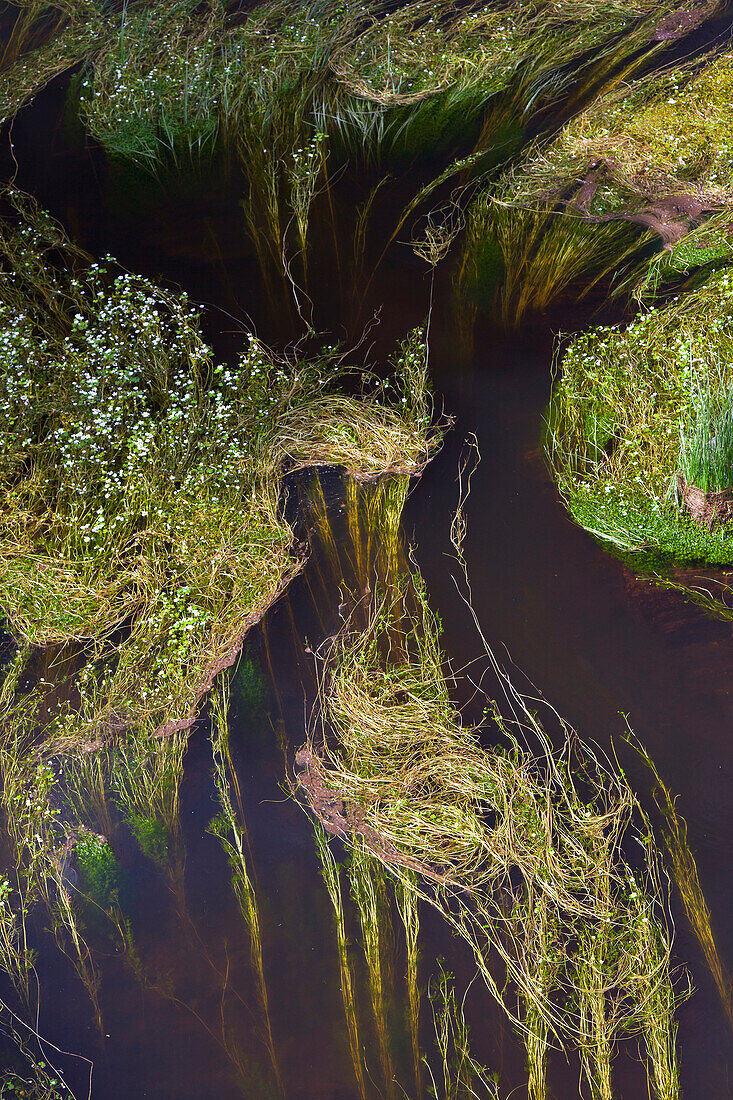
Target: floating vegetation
(637,186)
(519,848)
(46,40)
(637,413)
(141,481)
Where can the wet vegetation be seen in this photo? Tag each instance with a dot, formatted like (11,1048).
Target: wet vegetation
(158,497)
(639,411)
(519,848)
(634,189)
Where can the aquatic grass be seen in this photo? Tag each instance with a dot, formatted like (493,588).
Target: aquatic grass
(142,482)
(687,880)
(519,849)
(41,845)
(230,830)
(706,452)
(367,891)
(614,194)
(86,779)
(145,777)
(461,1075)
(183,87)
(627,406)
(431,71)
(275,93)
(407,907)
(46,40)
(331,877)
(370,547)
(516,261)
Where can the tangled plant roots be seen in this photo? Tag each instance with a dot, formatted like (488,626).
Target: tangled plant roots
(519,848)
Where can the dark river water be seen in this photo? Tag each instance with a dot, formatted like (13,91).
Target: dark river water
(558,611)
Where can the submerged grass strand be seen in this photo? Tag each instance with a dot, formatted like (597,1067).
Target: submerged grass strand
(230,829)
(407,906)
(332,879)
(365,874)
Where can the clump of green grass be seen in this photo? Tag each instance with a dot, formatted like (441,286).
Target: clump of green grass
(151,95)
(633,405)
(277,92)
(181,86)
(668,133)
(706,455)
(141,481)
(521,848)
(99,869)
(422,73)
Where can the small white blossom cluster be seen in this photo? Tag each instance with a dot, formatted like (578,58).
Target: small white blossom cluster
(164,92)
(92,413)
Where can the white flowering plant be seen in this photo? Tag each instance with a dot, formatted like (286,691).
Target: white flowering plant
(140,480)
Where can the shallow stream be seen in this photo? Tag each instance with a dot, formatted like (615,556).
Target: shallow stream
(559,612)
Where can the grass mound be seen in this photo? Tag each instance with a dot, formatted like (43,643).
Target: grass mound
(666,134)
(645,167)
(520,848)
(634,405)
(140,480)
